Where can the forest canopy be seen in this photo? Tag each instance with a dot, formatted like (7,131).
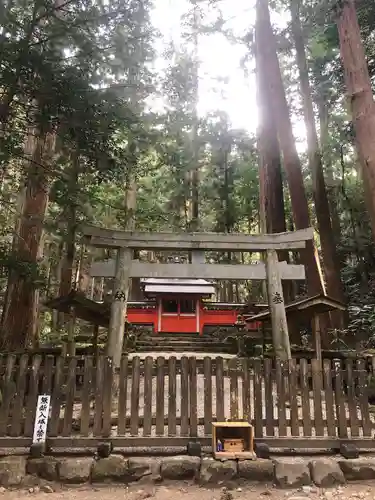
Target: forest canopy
(104,120)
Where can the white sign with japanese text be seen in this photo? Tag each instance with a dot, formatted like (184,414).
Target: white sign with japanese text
(41,418)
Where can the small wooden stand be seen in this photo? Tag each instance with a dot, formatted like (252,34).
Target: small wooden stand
(237,439)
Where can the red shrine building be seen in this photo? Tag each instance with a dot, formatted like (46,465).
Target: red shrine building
(182,306)
(168,305)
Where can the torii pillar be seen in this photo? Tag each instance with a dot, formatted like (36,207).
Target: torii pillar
(119,305)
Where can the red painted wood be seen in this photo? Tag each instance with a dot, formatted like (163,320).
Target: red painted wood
(178,323)
(183,323)
(143,317)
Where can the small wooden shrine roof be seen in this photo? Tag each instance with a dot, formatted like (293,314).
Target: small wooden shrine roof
(308,306)
(97,313)
(94,312)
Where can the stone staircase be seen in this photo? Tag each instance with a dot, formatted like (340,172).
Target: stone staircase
(183,342)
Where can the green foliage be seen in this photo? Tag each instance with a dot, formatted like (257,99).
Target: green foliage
(82,69)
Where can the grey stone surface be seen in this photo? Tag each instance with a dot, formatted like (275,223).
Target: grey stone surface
(216,472)
(45,468)
(30,481)
(349,450)
(12,470)
(256,470)
(359,469)
(291,474)
(144,468)
(180,467)
(112,468)
(326,473)
(74,470)
(46,488)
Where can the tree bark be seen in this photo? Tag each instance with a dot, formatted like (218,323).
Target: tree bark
(21,305)
(122,282)
(271,195)
(194,221)
(360,97)
(330,257)
(292,163)
(71,218)
(327,160)
(67,321)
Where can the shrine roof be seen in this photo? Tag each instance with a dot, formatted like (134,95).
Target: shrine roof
(84,308)
(97,313)
(178,285)
(306,306)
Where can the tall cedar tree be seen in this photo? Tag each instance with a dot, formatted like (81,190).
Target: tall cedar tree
(42,86)
(360,96)
(271,185)
(271,196)
(20,310)
(330,257)
(291,162)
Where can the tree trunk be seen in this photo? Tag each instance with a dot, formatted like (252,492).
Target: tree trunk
(330,257)
(194,221)
(131,201)
(67,321)
(359,92)
(21,305)
(271,194)
(122,283)
(292,163)
(71,218)
(327,160)
(56,283)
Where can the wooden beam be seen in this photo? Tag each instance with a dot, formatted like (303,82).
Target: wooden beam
(198,257)
(206,271)
(108,238)
(290,442)
(317,340)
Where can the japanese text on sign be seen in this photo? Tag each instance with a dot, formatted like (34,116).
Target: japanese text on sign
(41,418)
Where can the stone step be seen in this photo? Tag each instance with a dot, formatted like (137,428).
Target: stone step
(169,348)
(184,340)
(157,338)
(174,341)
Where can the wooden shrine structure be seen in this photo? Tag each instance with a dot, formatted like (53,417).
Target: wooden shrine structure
(302,310)
(126,267)
(177,306)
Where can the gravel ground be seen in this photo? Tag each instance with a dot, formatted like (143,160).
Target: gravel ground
(191,492)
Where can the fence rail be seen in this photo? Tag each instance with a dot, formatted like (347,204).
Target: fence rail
(169,401)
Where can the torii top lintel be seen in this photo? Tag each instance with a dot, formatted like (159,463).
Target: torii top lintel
(112,238)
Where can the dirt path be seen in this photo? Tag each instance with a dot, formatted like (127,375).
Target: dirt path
(190,492)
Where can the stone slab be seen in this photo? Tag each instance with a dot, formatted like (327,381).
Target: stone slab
(180,467)
(12,470)
(291,474)
(217,472)
(45,467)
(256,470)
(112,468)
(326,473)
(360,469)
(74,470)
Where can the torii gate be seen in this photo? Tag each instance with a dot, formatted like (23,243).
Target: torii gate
(125,242)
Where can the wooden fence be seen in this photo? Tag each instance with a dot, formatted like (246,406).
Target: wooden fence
(169,402)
